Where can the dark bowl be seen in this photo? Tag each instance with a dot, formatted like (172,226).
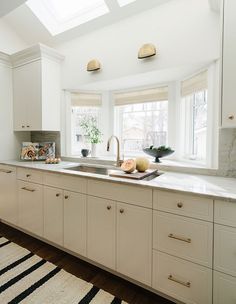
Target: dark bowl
(85,152)
(157,154)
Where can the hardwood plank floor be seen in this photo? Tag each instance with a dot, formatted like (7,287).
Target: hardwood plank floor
(102,279)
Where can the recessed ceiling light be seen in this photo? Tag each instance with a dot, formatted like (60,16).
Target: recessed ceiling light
(61,15)
(124,2)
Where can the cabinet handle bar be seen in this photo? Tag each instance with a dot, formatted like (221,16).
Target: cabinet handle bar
(186,284)
(28,189)
(179,238)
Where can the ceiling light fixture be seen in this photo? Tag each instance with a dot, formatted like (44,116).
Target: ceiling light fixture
(93,65)
(147,50)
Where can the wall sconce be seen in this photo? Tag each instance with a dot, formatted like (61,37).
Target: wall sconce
(147,50)
(93,65)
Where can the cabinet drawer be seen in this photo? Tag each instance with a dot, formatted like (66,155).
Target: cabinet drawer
(30,198)
(225,213)
(183,237)
(225,249)
(183,204)
(70,183)
(7,169)
(224,289)
(182,280)
(134,195)
(30,175)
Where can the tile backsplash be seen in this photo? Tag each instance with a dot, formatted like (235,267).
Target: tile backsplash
(52,136)
(227,152)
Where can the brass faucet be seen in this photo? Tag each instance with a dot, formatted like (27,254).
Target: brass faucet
(118,160)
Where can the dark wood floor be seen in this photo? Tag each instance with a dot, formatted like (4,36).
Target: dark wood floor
(102,279)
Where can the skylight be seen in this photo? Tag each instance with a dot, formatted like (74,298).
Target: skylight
(61,15)
(124,2)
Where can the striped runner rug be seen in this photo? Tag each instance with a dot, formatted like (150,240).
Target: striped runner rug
(28,279)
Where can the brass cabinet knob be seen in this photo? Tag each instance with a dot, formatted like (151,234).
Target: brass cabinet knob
(180,205)
(122,210)
(27,126)
(58,194)
(28,175)
(231,117)
(108,207)
(66,196)
(22,126)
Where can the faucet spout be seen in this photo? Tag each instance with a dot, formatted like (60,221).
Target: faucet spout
(118,160)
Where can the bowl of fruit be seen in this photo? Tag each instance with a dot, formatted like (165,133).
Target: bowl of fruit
(158,152)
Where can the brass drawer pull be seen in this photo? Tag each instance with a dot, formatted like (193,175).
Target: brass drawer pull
(66,196)
(28,175)
(5,171)
(108,207)
(186,284)
(179,238)
(122,211)
(231,117)
(28,189)
(58,194)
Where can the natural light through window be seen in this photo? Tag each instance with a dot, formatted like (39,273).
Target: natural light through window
(61,15)
(125,2)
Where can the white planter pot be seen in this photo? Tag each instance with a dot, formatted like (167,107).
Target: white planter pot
(93,150)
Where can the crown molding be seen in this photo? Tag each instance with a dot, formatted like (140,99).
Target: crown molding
(5,59)
(35,53)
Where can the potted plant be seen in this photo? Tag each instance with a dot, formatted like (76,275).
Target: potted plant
(92,133)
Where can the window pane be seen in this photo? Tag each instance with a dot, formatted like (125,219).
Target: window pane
(79,140)
(142,124)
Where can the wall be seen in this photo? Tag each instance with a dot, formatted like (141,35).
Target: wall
(10,42)
(191,37)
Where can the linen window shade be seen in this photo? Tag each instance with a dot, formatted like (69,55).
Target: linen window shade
(194,84)
(86,100)
(141,96)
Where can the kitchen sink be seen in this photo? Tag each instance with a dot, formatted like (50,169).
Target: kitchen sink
(93,169)
(103,170)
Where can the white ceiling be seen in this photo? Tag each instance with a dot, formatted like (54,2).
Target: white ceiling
(6,6)
(28,26)
(145,79)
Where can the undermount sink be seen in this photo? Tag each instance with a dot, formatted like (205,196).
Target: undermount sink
(103,170)
(92,169)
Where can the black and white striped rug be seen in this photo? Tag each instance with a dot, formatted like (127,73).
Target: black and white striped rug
(27,278)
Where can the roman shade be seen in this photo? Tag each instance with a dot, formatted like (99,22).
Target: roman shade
(141,96)
(194,84)
(86,100)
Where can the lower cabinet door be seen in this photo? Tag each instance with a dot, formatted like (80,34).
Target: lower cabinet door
(102,231)
(31,207)
(8,198)
(185,281)
(75,222)
(224,289)
(134,242)
(53,215)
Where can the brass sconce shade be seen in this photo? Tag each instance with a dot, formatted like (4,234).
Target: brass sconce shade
(147,50)
(93,65)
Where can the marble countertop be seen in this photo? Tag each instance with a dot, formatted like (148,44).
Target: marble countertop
(211,186)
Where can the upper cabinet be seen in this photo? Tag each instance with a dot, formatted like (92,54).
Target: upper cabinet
(229,65)
(37,89)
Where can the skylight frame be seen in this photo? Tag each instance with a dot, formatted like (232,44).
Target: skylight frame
(45,12)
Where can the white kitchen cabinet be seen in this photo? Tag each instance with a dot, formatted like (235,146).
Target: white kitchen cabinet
(30,197)
(224,289)
(229,65)
(36,89)
(53,214)
(134,242)
(8,198)
(185,281)
(75,221)
(102,231)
